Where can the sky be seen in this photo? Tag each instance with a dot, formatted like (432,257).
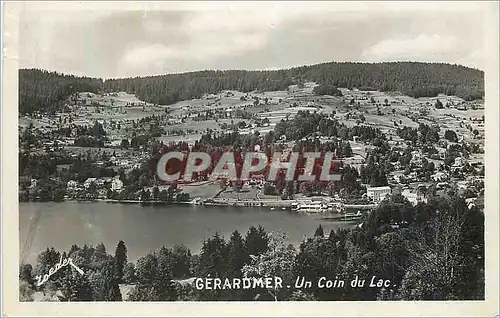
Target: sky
(111,40)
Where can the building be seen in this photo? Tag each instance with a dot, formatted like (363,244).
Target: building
(116,185)
(413,197)
(356,159)
(33,183)
(439,176)
(72,185)
(459,162)
(378,194)
(88,182)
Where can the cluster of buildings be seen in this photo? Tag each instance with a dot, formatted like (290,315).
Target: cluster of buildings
(98,185)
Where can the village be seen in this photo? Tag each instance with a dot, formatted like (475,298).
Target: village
(110,137)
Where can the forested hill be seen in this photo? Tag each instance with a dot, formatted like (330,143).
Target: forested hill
(44,91)
(41,90)
(413,79)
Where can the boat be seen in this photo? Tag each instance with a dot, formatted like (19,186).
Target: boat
(311,207)
(345,217)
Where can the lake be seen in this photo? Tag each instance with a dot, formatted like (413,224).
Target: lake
(148,228)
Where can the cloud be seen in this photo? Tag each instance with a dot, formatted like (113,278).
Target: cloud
(421,48)
(427,48)
(163,56)
(158,38)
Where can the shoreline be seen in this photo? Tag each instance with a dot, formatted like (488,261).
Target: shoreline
(282,205)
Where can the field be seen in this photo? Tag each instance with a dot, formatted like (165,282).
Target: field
(384,110)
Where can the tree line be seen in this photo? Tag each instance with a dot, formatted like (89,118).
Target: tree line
(44,91)
(41,90)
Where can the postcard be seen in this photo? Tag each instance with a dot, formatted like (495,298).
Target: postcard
(250,158)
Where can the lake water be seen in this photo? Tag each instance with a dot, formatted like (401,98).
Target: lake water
(147,228)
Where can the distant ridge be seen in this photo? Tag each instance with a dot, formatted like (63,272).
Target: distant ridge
(44,91)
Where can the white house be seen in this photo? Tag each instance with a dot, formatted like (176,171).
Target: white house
(413,197)
(356,159)
(471,202)
(72,184)
(88,182)
(459,162)
(117,185)
(377,194)
(440,176)
(33,183)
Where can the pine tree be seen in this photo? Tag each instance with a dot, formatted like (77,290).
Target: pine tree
(75,286)
(213,257)
(163,284)
(120,260)
(319,231)
(256,240)
(110,283)
(237,255)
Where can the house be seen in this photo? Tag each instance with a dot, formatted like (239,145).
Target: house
(439,176)
(471,202)
(378,194)
(88,182)
(33,183)
(72,185)
(462,185)
(356,159)
(459,162)
(124,163)
(396,165)
(442,185)
(413,197)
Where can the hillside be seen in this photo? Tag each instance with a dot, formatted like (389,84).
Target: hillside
(40,90)
(43,90)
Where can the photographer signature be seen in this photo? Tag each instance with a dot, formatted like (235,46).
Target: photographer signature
(56,268)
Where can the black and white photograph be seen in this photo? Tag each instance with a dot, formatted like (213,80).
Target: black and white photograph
(250,152)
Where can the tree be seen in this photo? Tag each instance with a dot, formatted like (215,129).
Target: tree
(25,273)
(129,276)
(256,240)
(181,266)
(438,104)
(120,260)
(105,284)
(278,260)
(25,291)
(156,193)
(319,231)
(99,254)
(327,90)
(447,257)
(451,136)
(213,257)
(237,255)
(154,278)
(98,130)
(146,269)
(163,284)
(124,143)
(75,286)
(46,260)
